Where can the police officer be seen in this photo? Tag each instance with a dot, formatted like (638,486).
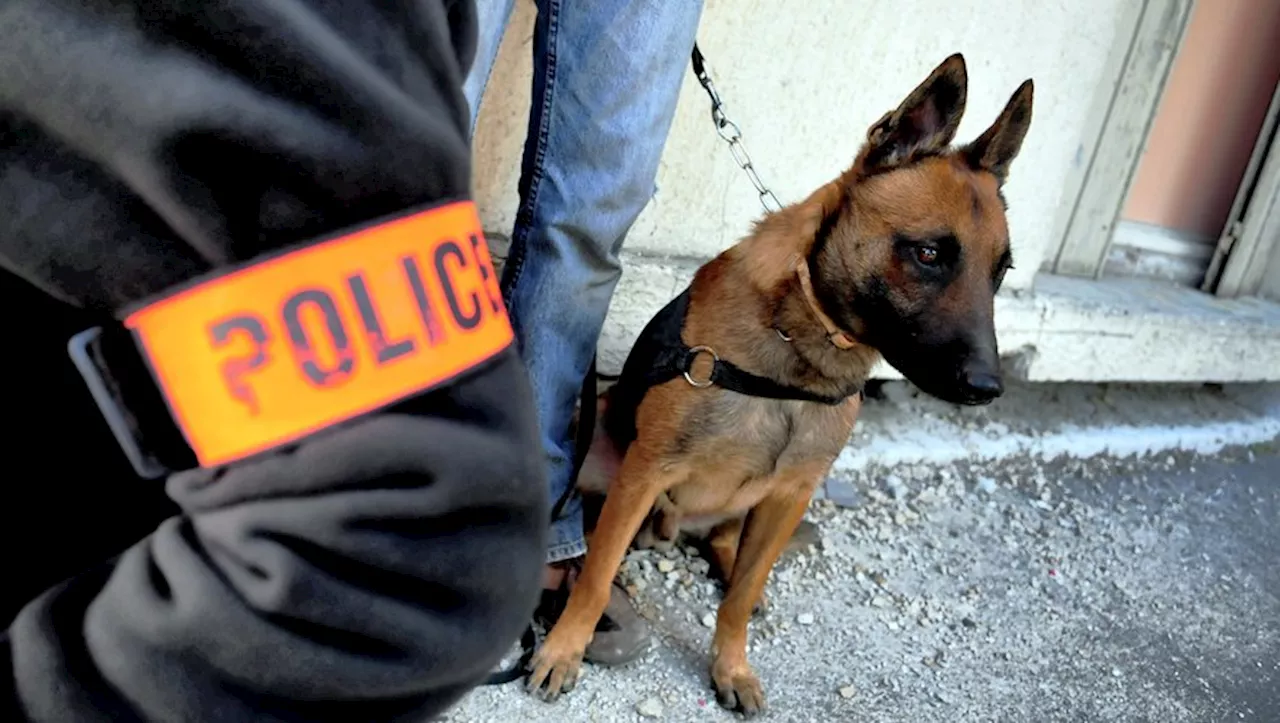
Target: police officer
(362,547)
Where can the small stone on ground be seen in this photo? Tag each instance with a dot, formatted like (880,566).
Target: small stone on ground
(649,708)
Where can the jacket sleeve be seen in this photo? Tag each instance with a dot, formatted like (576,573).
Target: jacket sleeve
(374,571)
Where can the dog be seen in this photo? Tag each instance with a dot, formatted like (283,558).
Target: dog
(739,395)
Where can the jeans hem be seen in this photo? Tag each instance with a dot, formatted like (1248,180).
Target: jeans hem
(566,550)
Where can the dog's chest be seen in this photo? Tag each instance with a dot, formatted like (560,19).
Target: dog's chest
(775,434)
(744,442)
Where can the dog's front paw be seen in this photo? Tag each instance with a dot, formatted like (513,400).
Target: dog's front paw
(738,688)
(554,668)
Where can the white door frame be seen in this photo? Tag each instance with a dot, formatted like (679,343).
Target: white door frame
(1116,134)
(1248,244)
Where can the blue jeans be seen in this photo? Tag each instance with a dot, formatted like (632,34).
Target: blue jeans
(606,76)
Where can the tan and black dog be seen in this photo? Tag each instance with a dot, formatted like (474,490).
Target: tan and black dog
(739,394)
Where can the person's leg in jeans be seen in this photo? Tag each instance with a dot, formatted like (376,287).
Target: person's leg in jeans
(607,75)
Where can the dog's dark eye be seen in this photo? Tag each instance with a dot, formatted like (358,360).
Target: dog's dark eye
(928,254)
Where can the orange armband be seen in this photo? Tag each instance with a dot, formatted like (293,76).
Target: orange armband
(265,354)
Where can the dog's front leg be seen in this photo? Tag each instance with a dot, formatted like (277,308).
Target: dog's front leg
(768,527)
(641,478)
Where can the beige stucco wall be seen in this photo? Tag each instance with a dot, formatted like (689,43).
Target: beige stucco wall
(805,79)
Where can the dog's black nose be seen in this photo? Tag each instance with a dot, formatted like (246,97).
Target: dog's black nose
(983,386)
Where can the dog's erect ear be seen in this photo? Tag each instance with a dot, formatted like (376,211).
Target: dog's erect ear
(999,145)
(925,122)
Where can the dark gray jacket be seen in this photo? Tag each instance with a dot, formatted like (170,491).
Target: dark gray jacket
(374,571)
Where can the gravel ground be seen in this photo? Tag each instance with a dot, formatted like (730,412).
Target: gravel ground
(1073,590)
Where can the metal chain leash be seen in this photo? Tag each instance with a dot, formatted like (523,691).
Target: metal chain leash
(731,133)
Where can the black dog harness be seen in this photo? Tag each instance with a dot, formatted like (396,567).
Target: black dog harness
(660,355)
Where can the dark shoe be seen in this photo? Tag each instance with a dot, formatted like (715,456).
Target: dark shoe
(621,635)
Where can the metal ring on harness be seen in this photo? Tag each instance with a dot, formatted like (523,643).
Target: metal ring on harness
(693,354)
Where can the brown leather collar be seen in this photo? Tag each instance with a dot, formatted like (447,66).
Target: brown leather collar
(838,338)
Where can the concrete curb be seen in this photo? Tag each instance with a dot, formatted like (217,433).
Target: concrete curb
(1042,421)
